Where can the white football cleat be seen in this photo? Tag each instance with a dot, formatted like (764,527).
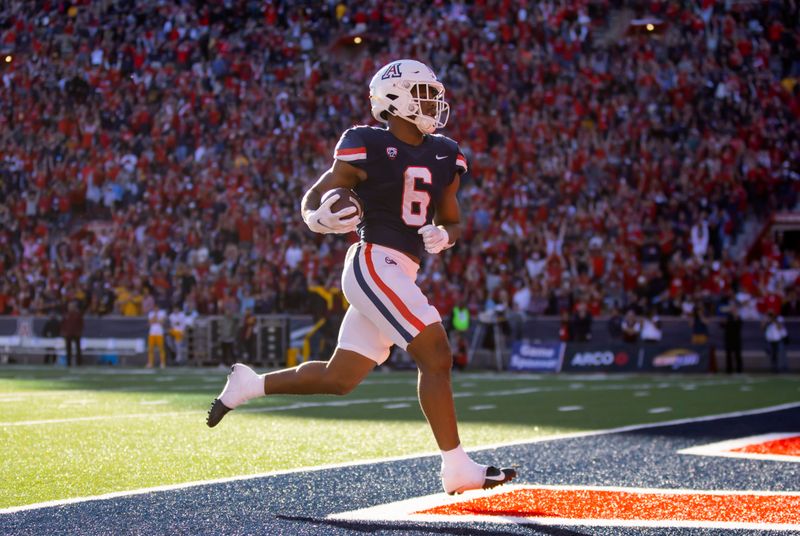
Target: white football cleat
(243,384)
(491,477)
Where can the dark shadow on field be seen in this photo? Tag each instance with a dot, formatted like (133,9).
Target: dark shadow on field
(370,527)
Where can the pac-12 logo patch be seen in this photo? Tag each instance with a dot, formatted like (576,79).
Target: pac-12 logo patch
(393,71)
(391,152)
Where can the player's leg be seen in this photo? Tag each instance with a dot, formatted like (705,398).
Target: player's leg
(431,351)
(358,338)
(338,376)
(383,287)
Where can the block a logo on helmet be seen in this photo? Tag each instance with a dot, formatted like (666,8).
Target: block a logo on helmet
(393,71)
(409,89)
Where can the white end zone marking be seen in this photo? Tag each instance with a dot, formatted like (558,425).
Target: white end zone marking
(404,510)
(527,441)
(724,448)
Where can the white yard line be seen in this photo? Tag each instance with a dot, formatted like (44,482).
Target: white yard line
(186,485)
(401,405)
(305,405)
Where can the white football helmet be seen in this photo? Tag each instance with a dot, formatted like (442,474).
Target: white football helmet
(390,92)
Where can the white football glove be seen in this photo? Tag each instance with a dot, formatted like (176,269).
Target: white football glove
(435,238)
(324,221)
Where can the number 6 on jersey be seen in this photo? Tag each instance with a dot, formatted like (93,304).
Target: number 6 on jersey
(415,202)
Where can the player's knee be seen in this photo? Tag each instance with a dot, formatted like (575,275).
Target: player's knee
(341,385)
(438,361)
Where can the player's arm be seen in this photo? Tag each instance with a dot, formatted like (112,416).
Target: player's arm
(319,217)
(446,227)
(448,213)
(340,175)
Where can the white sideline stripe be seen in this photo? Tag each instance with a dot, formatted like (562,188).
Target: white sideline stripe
(186,485)
(404,510)
(723,448)
(304,405)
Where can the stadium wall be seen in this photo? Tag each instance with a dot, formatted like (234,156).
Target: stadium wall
(542,329)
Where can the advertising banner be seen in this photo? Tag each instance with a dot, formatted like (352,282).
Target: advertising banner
(619,357)
(589,357)
(536,357)
(676,358)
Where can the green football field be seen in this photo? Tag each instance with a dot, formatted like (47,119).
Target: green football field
(67,433)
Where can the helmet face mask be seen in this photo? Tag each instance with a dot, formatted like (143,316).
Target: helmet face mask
(408,89)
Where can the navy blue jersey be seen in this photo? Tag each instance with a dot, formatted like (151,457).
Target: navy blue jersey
(404,183)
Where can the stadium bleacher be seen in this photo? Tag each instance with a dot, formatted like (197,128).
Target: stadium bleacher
(151,156)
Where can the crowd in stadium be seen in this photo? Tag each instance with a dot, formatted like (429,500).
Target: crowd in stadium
(153,154)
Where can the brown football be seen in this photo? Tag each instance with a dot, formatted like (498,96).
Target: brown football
(347,198)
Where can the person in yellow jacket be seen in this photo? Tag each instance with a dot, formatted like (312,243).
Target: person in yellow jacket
(336,305)
(128,301)
(157,319)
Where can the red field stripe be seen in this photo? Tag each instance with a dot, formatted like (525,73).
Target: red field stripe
(631,505)
(788,446)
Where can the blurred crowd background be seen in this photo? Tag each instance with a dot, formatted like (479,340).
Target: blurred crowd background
(153,154)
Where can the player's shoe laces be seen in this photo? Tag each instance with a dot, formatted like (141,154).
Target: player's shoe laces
(243,384)
(491,478)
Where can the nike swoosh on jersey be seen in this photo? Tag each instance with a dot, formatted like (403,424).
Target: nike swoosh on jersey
(440,157)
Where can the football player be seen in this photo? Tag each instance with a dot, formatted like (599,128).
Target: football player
(407,178)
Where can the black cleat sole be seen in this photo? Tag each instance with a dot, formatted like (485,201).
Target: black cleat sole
(216,413)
